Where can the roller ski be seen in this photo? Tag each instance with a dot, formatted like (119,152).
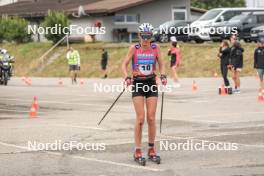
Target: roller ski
(139,158)
(152,156)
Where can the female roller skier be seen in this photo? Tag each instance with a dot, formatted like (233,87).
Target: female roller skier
(144,57)
(174,53)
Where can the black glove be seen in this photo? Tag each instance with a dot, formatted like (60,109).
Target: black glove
(163,79)
(128,81)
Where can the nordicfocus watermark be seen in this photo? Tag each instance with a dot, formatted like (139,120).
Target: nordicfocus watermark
(197,29)
(191,145)
(106,88)
(72,29)
(58,145)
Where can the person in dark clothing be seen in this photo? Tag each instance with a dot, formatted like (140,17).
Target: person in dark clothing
(175,54)
(259,62)
(224,56)
(236,56)
(104,62)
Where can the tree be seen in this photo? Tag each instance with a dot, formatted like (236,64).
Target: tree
(1,30)
(210,4)
(14,29)
(56,21)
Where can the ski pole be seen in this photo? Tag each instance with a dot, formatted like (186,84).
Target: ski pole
(161,112)
(112,106)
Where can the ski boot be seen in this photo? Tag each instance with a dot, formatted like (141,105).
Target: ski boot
(139,158)
(152,155)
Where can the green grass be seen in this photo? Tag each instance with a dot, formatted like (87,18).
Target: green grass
(26,56)
(198,60)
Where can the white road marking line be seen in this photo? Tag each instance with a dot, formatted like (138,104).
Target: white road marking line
(123,106)
(22,127)
(81,127)
(227,134)
(119,164)
(208,100)
(89,159)
(226,113)
(58,125)
(217,114)
(14,146)
(75,94)
(122,143)
(64,103)
(201,101)
(13,110)
(51,102)
(190,120)
(173,137)
(239,127)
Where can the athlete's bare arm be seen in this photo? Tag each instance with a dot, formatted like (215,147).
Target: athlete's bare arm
(160,61)
(127,61)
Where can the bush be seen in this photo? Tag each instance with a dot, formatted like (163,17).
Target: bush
(56,20)
(14,29)
(205,4)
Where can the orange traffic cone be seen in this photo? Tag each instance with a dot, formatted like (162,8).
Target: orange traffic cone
(260,97)
(223,90)
(24,79)
(33,112)
(35,103)
(194,86)
(28,81)
(60,82)
(81,82)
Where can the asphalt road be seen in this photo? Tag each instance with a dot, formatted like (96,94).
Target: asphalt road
(69,113)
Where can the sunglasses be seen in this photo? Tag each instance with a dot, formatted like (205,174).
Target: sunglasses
(234,38)
(146,36)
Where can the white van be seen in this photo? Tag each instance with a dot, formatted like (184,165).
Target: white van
(214,17)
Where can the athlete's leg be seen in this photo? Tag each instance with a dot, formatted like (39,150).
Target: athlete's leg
(224,71)
(139,105)
(75,75)
(234,77)
(105,73)
(260,73)
(238,79)
(174,73)
(262,85)
(72,75)
(151,118)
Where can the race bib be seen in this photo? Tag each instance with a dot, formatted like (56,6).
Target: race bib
(145,66)
(146,69)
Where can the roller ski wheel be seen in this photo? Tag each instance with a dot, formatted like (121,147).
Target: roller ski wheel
(152,156)
(141,161)
(139,158)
